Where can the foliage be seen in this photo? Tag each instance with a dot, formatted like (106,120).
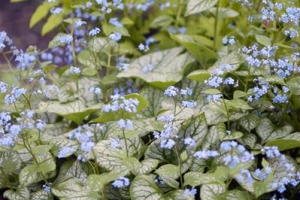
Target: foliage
(146,99)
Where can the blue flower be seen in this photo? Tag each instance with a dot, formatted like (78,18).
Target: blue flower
(56,10)
(168,144)
(171,91)
(94,31)
(125,124)
(115,36)
(205,154)
(65,151)
(115,21)
(121,182)
(190,192)
(189,142)
(67,39)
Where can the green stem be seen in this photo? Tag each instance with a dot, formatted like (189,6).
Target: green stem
(216,25)
(178,13)
(179,163)
(109,58)
(227,114)
(27,101)
(125,140)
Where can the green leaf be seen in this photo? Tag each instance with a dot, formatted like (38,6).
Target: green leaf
(154,98)
(182,113)
(74,169)
(96,182)
(224,13)
(90,60)
(239,94)
(233,59)
(52,22)
(264,40)
(198,165)
(16,1)
(171,62)
(133,164)
(178,194)
(228,136)
(195,128)
(294,85)
(10,161)
(198,178)
(239,195)
(22,193)
(238,104)
(41,149)
(249,140)
(212,191)
(267,131)
(249,122)
(29,174)
(289,142)
(200,52)
(127,21)
(148,165)
(75,111)
(108,29)
(41,195)
(197,6)
(169,173)
(199,75)
(259,188)
(53,130)
(275,79)
(100,44)
(46,163)
(67,187)
(88,71)
(144,188)
(41,12)
(83,195)
(163,21)
(3,180)
(154,151)
(212,91)
(109,158)
(212,139)
(60,142)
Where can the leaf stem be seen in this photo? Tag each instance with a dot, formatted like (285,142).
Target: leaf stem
(227,114)
(125,140)
(179,163)
(178,13)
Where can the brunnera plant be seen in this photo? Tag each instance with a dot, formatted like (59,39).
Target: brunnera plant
(145,99)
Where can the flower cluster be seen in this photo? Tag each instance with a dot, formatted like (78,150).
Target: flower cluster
(4,40)
(121,103)
(85,136)
(216,79)
(169,134)
(235,154)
